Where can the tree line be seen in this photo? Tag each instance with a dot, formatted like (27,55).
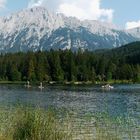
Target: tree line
(68,66)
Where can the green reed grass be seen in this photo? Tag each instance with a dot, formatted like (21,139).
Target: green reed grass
(23,123)
(31,124)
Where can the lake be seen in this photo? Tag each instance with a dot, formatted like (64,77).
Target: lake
(95,113)
(121,101)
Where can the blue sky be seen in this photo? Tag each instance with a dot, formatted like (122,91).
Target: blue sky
(120,12)
(125,10)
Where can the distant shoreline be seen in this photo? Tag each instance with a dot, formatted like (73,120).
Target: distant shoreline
(71,83)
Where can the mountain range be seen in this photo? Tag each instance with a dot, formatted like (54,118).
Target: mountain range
(37,29)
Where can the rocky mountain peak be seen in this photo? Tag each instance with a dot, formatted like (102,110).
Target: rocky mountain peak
(39,29)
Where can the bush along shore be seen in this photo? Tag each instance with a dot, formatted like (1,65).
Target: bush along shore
(26,123)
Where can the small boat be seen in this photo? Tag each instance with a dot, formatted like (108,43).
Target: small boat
(107,87)
(41,86)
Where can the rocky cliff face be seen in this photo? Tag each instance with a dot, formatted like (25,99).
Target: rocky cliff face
(38,29)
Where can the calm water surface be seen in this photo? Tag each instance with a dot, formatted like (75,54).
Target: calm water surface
(122,100)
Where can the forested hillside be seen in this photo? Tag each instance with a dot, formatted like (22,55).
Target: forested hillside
(117,64)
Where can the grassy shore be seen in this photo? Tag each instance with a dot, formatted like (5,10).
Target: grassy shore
(37,124)
(31,124)
(12,82)
(72,82)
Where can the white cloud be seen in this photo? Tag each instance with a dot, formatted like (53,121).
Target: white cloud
(72,10)
(34,3)
(133,24)
(86,10)
(78,8)
(2,3)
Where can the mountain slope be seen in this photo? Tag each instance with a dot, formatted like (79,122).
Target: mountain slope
(135,32)
(38,29)
(65,38)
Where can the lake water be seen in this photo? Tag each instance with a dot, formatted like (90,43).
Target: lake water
(120,101)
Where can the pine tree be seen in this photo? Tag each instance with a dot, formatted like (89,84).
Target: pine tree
(56,70)
(31,67)
(15,74)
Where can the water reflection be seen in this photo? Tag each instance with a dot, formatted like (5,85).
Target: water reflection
(122,100)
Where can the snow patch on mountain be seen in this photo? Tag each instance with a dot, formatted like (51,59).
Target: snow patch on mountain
(135,32)
(39,29)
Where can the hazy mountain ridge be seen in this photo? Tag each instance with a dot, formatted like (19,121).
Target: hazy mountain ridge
(38,29)
(135,32)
